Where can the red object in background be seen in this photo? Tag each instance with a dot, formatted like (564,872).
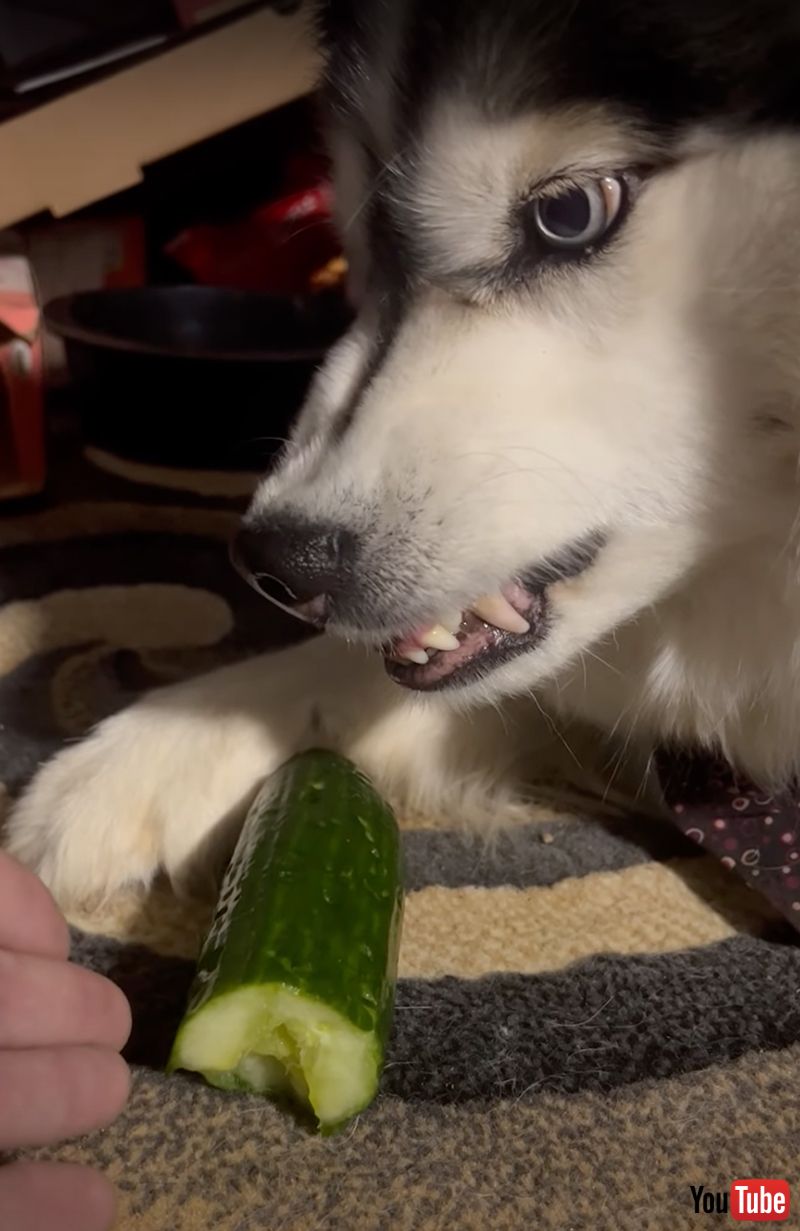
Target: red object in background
(22,451)
(277,248)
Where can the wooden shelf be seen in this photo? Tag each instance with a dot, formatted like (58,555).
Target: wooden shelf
(94,141)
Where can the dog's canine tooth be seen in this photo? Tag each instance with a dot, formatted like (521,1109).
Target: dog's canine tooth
(497,610)
(415,656)
(438,638)
(452,621)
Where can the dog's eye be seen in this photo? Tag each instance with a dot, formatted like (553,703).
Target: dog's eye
(580,216)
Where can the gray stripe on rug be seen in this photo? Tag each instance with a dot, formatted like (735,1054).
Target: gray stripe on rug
(540,853)
(597,1025)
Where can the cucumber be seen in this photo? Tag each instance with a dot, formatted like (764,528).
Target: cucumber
(294,988)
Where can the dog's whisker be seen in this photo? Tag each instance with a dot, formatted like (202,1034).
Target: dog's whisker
(384,171)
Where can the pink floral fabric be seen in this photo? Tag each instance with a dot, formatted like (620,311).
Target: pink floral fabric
(754,832)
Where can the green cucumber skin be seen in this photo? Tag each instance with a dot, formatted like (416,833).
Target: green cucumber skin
(313,896)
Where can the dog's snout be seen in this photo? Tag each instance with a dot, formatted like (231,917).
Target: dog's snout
(299,564)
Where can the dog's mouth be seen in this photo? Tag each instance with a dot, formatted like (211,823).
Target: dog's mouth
(461,647)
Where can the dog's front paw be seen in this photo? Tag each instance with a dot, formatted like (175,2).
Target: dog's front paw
(86,823)
(157,786)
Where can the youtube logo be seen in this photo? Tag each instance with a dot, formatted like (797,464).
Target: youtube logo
(759,1200)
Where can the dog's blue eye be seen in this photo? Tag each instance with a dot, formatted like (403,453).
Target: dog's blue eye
(580,216)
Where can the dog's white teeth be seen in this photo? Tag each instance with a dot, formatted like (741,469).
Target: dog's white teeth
(497,610)
(452,621)
(416,656)
(438,638)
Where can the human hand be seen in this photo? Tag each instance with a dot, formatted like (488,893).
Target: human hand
(61,1075)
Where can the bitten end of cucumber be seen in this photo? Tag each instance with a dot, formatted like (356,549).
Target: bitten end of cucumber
(270,1039)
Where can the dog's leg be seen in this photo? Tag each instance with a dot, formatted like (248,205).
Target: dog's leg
(162,784)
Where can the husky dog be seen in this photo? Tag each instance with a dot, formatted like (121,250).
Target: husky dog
(554,464)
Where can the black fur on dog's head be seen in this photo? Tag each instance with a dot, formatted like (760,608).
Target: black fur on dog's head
(666,62)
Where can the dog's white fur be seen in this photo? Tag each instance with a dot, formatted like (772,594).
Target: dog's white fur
(652,394)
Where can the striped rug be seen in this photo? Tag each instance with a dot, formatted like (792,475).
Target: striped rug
(592,1017)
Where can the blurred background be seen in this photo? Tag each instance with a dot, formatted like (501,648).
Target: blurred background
(169,275)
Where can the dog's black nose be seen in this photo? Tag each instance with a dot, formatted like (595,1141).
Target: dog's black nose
(300,565)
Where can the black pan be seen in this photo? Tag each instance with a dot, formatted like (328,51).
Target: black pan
(193,376)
